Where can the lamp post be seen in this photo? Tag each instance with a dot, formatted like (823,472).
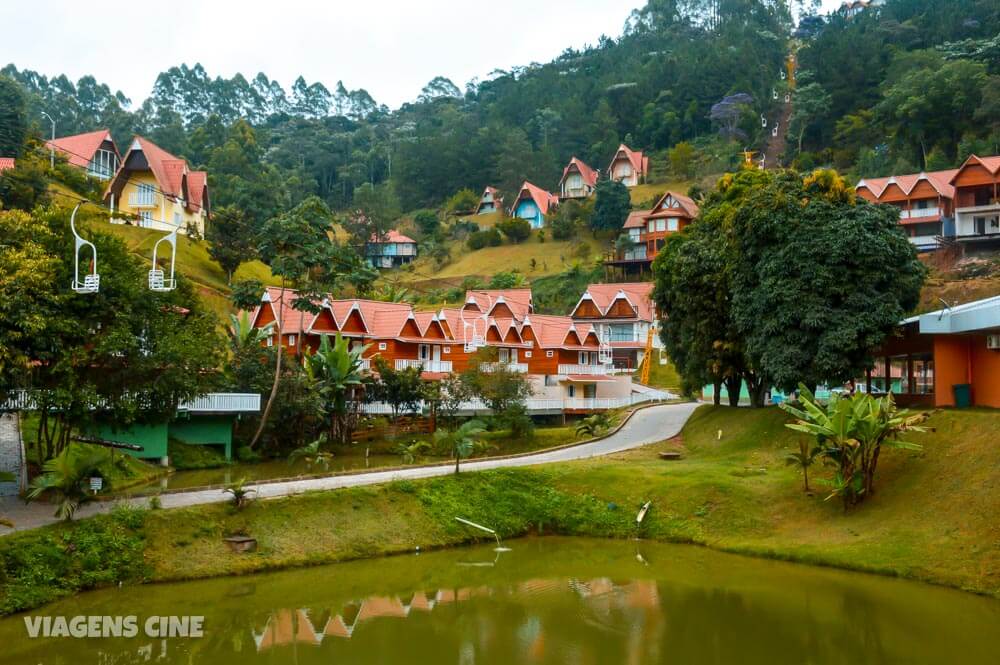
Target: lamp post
(52,149)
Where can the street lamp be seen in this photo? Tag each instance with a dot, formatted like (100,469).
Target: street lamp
(52,148)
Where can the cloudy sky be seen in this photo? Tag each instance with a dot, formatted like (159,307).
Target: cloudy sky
(389,47)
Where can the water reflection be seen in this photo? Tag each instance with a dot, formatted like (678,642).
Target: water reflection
(548,601)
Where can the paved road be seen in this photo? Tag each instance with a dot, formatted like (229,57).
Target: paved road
(646,426)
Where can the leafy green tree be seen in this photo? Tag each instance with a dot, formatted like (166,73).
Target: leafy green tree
(377,210)
(118,358)
(462,442)
(65,479)
(516,229)
(26,186)
(399,388)
(934,105)
(611,206)
(428,222)
(246,293)
(13,118)
(499,387)
(463,201)
(232,238)
(682,159)
(819,278)
(337,371)
(812,103)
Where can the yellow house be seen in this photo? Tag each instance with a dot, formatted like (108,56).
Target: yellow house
(158,190)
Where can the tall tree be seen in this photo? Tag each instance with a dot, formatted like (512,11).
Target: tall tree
(611,206)
(232,238)
(13,122)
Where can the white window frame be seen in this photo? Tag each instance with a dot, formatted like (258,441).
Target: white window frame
(291,340)
(549,354)
(382,346)
(673,224)
(527,354)
(446,349)
(582,357)
(270,341)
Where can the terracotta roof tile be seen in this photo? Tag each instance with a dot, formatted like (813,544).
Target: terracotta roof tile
(589,175)
(639,294)
(6,163)
(638,160)
(392,236)
(544,199)
(80,148)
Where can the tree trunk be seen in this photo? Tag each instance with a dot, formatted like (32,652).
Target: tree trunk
(717,392)
(457,459)
(277,375)
(733,385)
(805,478)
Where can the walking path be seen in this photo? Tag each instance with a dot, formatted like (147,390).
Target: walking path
(646,426)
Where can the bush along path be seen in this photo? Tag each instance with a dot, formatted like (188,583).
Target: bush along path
(646,425)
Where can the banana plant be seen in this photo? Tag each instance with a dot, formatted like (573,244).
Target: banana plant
(337,368)
(850,431)
(65,476)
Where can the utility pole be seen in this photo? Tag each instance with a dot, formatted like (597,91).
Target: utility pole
(52,149)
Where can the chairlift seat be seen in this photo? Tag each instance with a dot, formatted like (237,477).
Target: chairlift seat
(91,284)
(157,282)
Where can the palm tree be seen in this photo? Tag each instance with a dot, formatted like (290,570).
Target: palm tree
(594,425)
(393,292)
(462,441)
(804,458)
(336,369)
(65,477)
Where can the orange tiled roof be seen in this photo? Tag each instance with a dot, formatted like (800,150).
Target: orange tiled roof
(991,164)
(6,163)
(638,160)
(392,236)
(589,174)
(80,148)
(173,176)
(636,219)
(685,203)
(542,198)
(939,180)
(639,294)
(518,300)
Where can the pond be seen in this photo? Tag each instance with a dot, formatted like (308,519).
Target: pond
(266,470)
(548,600)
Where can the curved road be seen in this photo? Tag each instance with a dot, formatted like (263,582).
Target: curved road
(646,426)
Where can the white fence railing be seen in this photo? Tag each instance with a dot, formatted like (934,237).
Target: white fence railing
(510,367)
(583,369)
(534,405)
(223,403)
(24,400)
(424,365)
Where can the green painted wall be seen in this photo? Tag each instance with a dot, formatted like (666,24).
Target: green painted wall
(201,430)
(153,439)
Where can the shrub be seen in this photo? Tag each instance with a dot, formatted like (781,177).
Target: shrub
(427,221)
(485,238)
(516,229)
(464,200)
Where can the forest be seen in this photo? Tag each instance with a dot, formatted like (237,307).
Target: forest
(911,84)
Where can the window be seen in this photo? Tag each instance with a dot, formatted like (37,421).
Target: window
(673,224)
(382,346)
(424,351)
(593,358)
(270,341)
(582,357)
(177,219)
(548,354)
(145,218)
(923,374)
(527,354)
(291,340)
(551,380)
(571,390)
(590,390)
(447,349)
(504,355)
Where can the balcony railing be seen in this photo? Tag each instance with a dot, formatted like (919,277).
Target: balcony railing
(583,369)
(510,367)
(223,403)
(424,365)
(142,199)
(366,365)
(918,213)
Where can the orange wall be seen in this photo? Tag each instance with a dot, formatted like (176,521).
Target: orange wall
(965,359)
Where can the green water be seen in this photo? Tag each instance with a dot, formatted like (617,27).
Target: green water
(268,470)
(551,600)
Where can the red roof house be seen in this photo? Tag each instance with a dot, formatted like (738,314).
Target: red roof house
(94,151)
(628,166)
(578,180)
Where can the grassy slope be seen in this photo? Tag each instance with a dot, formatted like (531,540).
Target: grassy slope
(662,376)
(550,257)
(933,517)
